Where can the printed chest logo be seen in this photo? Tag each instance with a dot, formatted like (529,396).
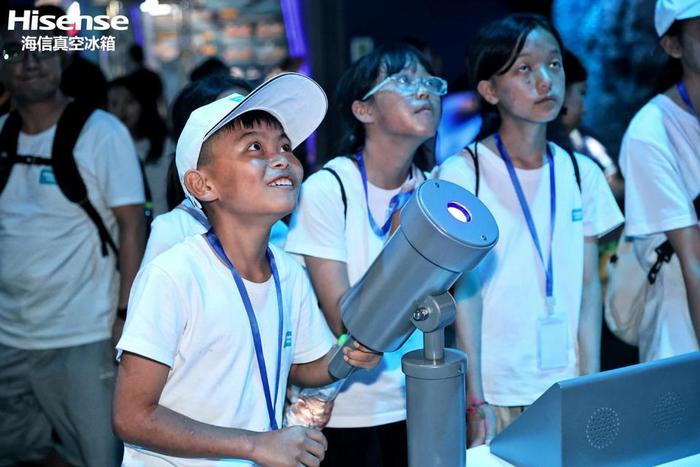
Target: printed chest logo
(576,215)
(288,339)
(46,177)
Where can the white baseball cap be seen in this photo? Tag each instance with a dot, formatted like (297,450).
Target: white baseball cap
(298,102)
(668,11)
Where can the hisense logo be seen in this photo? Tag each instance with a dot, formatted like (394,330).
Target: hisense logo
(30,20)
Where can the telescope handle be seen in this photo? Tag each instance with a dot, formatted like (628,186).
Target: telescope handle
(337,366)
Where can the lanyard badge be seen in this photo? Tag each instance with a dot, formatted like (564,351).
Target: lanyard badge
(255,332)
(395,203)
(549,276)
(552,330)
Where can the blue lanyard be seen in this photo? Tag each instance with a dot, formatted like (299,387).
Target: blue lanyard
(686,98)
(271,406)
(194,212)
(395,203)
(548,270)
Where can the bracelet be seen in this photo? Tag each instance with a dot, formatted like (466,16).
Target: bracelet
(474,407)
(121,313)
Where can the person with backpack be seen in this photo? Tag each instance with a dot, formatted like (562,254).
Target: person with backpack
(390,104)
(530,314)
(660,160)
(71,239)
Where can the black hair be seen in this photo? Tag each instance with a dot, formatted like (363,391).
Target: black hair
(210,66)
(360,78)
(672,72)
(150,125)
(248,119)
(575,71)
(196,94)
(675,29)
(136,53)
(495,49)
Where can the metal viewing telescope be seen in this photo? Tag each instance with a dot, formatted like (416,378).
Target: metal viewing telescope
(444,231)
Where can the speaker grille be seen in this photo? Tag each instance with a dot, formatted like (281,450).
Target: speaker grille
(668,411)
(603,427)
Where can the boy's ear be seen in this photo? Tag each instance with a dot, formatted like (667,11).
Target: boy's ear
(200,186)
(672,46)
(362,111)
(487,91)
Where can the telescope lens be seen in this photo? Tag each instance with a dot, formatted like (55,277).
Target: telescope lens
(459,212)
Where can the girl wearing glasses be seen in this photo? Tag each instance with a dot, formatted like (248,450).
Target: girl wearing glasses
(530,314)
(390,105)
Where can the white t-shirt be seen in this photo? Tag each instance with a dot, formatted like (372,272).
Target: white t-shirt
(56,288)
(176,225)
(185,312)
(512,275)
(318,229)
(660,160)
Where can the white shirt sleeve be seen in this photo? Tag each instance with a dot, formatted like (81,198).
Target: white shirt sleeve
(656,199)
(168,230)
(459,170)
(156,317)
(117,169)
(161,238)
(314,338)
(600,211)
(317,227)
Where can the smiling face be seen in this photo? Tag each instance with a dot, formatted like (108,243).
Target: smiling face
(31,77)
(397,113)
(251,170)
(532,89)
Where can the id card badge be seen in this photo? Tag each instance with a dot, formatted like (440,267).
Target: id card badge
(552,342)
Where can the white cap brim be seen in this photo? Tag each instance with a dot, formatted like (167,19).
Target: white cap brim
(668,11)
(298,102)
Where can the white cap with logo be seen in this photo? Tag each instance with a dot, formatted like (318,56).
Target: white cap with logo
(298,102)
(668,11)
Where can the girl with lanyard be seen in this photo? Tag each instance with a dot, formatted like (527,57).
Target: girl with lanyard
(530,314)
(660,161)
(390,105)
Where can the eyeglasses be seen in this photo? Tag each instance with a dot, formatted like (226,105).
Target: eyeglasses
(15,54)
(406,85)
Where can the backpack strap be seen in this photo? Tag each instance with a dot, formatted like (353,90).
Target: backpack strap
(8,146)
(665,251)
(148,205)
(68,178)
(342,190)
(577,171)
(475,158)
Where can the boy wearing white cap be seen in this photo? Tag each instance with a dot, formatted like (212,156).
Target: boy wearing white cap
(219,323)
(660,160)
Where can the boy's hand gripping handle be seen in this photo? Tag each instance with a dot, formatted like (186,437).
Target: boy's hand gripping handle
(337,366)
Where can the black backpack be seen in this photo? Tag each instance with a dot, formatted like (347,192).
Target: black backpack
(62,162)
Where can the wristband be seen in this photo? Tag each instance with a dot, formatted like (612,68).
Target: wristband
(474,407)
(121,313)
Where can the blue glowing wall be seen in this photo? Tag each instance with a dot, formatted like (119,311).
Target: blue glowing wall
(617,43)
